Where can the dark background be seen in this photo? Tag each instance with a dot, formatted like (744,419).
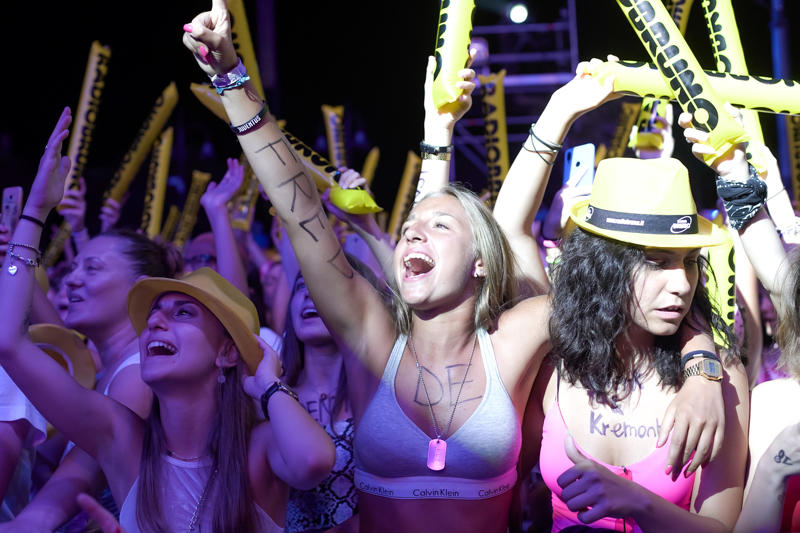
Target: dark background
(369,56)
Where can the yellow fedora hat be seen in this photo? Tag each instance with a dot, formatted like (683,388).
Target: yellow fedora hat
(235,310)
(645,202)
(69,351)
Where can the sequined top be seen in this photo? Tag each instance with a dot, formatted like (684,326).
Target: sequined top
(334,500)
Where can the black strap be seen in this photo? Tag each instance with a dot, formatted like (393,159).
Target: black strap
(253,122)
(699,353)
(639,223)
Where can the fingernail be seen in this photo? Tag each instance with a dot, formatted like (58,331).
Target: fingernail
(203,51)
(686,473)
(188,28)
(668,471)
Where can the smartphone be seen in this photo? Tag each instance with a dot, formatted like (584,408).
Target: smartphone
(12,207)
(580,161)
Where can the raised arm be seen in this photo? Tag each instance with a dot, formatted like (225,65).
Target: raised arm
(86,417)
(439,125)
(346,302)
(524,186)
(215,202)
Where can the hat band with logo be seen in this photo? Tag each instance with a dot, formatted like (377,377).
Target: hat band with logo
(640,223)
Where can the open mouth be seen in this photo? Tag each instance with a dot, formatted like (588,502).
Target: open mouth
(161,348)
(308,313)
(418,264)
(75,299)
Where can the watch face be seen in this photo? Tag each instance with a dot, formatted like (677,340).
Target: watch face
(712,368)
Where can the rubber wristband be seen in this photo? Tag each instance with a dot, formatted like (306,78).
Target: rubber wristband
(699,353)
(31,219)
(253,122)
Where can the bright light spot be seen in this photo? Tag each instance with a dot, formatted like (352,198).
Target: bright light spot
(518,13)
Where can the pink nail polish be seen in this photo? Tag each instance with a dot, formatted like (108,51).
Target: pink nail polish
(203,51)
(669,469)
(188,28)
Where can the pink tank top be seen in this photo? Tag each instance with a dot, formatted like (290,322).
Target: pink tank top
(649,473)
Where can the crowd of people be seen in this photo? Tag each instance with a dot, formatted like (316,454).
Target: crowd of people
(571,375)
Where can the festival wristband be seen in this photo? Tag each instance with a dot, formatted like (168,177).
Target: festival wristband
(334,129)
(243,42)
(157,184)
(681,70)
(452,49)
(253,122)
(495,130)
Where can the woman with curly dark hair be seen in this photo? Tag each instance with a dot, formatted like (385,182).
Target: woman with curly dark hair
(625,295)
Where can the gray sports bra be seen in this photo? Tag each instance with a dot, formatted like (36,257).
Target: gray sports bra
(390,451)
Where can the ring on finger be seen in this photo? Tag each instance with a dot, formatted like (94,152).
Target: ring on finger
(688,140)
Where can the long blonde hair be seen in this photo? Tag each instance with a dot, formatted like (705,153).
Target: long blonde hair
(498,290)
(789,315)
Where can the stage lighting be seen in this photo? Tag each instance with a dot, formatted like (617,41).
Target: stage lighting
(517,12)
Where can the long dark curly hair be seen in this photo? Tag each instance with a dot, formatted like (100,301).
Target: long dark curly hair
(593,300)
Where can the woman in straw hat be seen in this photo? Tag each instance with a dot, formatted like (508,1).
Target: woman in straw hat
(201,459)
(772,493)
(438,385)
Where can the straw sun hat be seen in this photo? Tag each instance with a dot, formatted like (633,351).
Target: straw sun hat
(235,310)
(645,202)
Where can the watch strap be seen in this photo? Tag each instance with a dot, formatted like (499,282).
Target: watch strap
(699,370)
(272,389)
(445,156)
(426,148)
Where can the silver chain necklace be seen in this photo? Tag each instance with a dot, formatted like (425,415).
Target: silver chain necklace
(437,448)
(193,522)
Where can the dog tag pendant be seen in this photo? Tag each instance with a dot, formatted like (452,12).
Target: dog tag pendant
(437,449)
(12,269)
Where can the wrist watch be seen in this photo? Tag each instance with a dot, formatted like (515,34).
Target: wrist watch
(275,387)
(707,368)
(438,153)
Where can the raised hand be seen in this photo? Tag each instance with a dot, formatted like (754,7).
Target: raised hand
(269,371)
(217,196)
(565,198)
(668,145)
(585,92)
(732,164)
(48,186)
(111,212)
(208,37)
(73,206)
(350,179)
(445,118)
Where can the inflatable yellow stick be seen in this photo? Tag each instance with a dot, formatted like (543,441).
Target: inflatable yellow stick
(142,142)
(157,184)
(370,164)
(352,201)
(722,285)
(724,35)
(56,246)
(653,113)
(768,95)
(452,48)
(683,74)
(627,118)
(171,223)
(405,194)
(243,42)
(793,135)
(495,130)
(94,81)
(189,215)
(334,128)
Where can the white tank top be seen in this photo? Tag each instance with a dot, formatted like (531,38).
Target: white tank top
(181,490)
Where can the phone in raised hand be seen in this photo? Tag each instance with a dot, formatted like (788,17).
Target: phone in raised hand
(580,161)
(12,207)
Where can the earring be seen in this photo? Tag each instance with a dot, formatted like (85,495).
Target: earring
(221,378)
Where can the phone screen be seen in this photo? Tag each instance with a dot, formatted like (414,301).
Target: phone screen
(12,207)
(580,161)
